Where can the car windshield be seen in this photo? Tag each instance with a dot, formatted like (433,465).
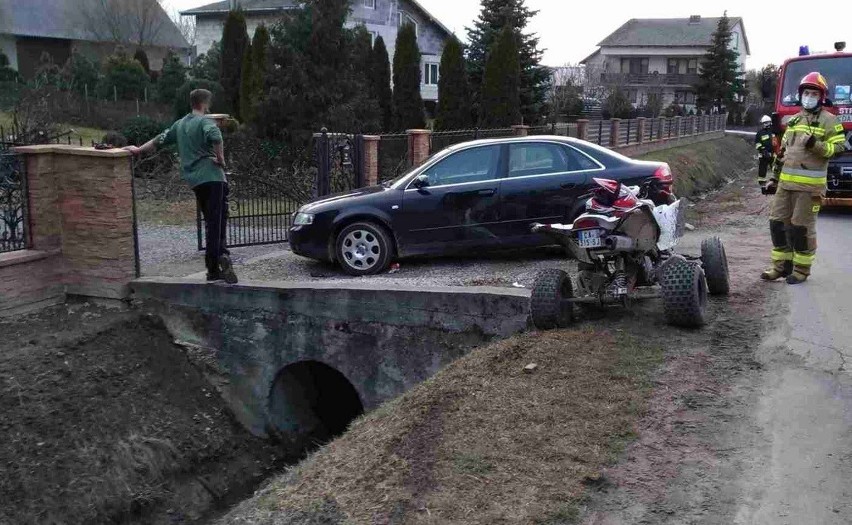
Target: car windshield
(836,70)
(393,182)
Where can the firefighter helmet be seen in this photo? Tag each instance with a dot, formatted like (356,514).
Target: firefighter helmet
(814,80)
(766,119)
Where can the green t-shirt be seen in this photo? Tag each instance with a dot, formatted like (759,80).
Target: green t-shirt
(195,137)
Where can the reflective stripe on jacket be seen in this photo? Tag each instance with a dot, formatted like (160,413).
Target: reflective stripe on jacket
(805,169)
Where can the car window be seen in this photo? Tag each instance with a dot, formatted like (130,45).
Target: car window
(527,159)
(470,165)
(579,161)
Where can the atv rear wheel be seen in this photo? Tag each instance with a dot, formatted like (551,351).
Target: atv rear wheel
(547,306)
(715,263)
(684,294)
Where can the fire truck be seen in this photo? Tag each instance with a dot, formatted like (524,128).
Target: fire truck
(837,70)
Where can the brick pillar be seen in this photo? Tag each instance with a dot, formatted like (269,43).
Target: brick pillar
(81,203)
(521,130)
(677,124)
(418,145)
(640,129)
(583,129)
(614,130)
(371,159)
(661,124)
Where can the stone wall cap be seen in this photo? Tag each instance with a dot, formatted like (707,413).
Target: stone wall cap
(372,137)
(25,256)
(418,131)
(61,149)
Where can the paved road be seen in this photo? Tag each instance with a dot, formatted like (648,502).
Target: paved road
(804,411)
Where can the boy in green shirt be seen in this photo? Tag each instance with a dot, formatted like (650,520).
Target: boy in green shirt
(202,166)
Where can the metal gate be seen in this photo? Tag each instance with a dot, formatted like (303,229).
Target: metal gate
(258,213)
(339,159)
(13,203)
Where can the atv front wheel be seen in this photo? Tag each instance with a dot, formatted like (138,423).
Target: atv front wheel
(547,306)
(684,294)
(715,264)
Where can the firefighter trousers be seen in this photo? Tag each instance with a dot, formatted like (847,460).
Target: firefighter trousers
(764,164)
(792,224)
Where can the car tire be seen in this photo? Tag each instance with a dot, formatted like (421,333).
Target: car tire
(684,291)
(715,263)
(547,308)
(363,248)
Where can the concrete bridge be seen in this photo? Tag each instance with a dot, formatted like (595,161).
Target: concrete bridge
(300,361)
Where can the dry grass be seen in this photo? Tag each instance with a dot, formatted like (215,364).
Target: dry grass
(482,442)
(166,213)
(703,166)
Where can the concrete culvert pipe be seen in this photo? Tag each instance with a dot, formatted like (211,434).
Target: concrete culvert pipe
(311,403)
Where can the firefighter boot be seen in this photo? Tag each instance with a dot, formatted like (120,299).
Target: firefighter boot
(779,270)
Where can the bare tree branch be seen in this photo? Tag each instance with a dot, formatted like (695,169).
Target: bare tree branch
(136,22)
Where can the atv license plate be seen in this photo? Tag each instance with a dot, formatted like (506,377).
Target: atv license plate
(589,239)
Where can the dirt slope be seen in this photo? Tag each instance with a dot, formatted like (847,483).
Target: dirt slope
(105,420)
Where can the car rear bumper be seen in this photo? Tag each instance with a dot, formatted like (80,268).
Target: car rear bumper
(308,243)
(830,201)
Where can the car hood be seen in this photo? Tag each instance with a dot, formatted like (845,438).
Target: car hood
(331,201)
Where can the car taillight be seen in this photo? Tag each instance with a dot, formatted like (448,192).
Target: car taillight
(664,175)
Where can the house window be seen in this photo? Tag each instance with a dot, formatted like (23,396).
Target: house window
(684,97)
(404,18)
(430,74)
(692,66)
(634,65)
(735,41)
(672,66)
(369,4)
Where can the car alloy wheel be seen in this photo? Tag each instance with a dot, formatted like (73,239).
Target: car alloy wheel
(363,249)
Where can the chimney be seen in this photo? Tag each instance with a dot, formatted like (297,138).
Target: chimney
(694,19)
(234,4)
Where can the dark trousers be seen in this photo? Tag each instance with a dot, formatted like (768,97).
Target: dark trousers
(763,165)
(212,198)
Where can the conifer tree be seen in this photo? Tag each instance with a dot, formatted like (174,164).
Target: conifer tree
(535,78)
(720,80)
(407,101)
(380,83)
(235,40)
(500,101)
(454,110)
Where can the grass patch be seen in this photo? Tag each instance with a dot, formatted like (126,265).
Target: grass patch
(77,132)
(482,442)
(703,166)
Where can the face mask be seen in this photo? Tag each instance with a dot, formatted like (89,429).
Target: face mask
(810,102)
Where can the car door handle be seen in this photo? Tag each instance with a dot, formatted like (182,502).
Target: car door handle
(486,193)
(568,185)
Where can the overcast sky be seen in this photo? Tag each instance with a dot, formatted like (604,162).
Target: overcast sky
(569,29)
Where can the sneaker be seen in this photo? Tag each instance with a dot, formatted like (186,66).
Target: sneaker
(227,270)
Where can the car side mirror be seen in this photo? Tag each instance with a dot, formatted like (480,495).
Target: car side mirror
(421,181)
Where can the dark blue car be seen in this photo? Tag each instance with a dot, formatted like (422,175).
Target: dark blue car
(471,197)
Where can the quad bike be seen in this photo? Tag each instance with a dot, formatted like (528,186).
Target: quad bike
(624,247)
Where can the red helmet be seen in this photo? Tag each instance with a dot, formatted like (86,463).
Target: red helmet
(814,81)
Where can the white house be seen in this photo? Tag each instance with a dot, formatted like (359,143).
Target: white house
(380,17)
(659,57)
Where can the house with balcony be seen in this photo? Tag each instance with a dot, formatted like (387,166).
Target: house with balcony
(380,18)
(658,60)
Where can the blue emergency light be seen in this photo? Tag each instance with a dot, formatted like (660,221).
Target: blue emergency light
(804,51)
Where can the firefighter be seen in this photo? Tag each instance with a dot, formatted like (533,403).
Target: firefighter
(765,149)
(812,137)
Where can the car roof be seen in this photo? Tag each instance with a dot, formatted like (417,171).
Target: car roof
(550,138)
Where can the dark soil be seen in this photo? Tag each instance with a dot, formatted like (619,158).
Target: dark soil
(106,421)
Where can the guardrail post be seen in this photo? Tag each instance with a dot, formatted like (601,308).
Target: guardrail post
(418,145)
(371,159)
(614,130)
(521,130)
(640,129)
(583,129)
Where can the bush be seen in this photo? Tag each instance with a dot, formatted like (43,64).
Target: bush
(181,104)
(206,66)
(124,76)
(7,74)
(80,74)
(617,105)
(172,78)
(139,130)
